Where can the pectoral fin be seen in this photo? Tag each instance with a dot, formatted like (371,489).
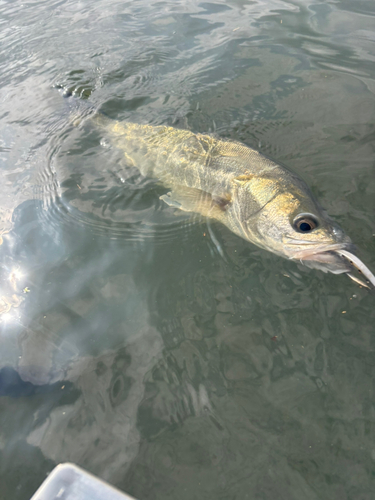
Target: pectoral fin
(188,200)
(195,200)
(243,179)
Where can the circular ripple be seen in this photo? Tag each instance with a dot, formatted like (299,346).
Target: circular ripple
(86,183)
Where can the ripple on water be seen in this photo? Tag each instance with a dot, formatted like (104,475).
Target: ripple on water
(188,370)
(86,183)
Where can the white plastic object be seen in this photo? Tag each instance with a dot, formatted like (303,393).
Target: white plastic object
(69,482)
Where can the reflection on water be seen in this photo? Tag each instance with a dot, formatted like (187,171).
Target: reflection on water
(172,359)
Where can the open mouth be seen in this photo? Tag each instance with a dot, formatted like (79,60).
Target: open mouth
(337,259)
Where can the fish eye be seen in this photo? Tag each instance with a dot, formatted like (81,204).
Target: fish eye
(305,223)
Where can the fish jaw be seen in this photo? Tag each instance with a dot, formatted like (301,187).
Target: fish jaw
(337,259)
(324,258)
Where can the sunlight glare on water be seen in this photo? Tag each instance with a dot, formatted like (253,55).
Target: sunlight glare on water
(169,357)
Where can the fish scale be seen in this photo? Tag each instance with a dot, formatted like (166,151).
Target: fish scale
(257,198)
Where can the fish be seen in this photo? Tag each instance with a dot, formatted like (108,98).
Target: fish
(255,197)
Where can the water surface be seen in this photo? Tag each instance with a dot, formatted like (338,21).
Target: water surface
(170,358)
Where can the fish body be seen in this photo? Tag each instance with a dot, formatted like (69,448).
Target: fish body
(255,197)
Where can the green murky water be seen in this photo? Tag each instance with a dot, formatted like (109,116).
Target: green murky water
(129,345)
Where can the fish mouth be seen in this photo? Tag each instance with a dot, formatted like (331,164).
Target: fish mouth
(337,259)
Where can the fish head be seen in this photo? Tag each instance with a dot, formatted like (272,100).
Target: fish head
(287,220)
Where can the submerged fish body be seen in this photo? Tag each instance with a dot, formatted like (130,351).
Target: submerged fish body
(255,197)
